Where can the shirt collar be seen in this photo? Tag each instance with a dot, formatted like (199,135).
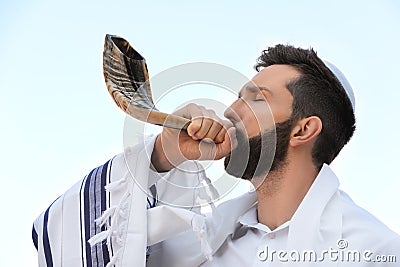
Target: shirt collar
(317,222)
(319,194)
(322,189)
(249,219)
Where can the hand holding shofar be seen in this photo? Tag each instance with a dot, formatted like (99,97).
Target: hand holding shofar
(127,80)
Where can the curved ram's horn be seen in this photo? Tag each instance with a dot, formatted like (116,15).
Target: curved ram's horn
(127,79)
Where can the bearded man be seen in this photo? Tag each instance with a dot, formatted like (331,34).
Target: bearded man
(296,215)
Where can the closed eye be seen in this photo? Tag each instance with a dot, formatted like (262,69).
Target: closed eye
(260,97)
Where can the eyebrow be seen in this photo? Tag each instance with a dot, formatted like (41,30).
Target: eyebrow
(254,89)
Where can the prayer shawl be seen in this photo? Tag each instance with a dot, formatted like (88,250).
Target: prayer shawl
(62,232)
(111,218)
(103,219)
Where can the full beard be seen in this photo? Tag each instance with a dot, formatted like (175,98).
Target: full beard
(259,155)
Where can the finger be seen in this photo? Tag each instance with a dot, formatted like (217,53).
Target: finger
(194,127)
(219,138)
(195,113)
(207,119)
(209,129)
(214,130)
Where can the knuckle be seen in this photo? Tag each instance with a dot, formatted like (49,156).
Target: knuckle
(211,112)
(200,107)
(191,105)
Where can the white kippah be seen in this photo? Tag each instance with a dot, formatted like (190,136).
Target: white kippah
(345,84)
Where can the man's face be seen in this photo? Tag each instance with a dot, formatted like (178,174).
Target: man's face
(261,103)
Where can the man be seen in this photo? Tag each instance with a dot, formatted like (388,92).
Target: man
(296,216)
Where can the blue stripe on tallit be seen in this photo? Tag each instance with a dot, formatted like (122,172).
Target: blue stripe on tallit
(98,197)
(46,243)
(109,205)
(106,256)
(86,216)
(94,204)
(35,237)
(45,240)
(83,244)
(94,214)
(94,201)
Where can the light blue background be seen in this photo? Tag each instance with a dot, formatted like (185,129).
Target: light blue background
(58,121)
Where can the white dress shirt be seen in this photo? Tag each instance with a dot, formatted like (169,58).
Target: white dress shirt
(326,221)
(250,244)
(327,229)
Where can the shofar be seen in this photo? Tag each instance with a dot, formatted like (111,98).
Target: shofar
(127,80)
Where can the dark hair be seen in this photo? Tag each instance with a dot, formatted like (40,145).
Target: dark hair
(317,92)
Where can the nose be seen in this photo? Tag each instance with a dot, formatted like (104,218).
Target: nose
(231,113)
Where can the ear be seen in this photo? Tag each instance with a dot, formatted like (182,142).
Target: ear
(305,130)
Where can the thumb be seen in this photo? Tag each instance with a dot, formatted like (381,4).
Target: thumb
(229,143)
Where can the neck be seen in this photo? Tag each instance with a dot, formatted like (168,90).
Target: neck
(281,193)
